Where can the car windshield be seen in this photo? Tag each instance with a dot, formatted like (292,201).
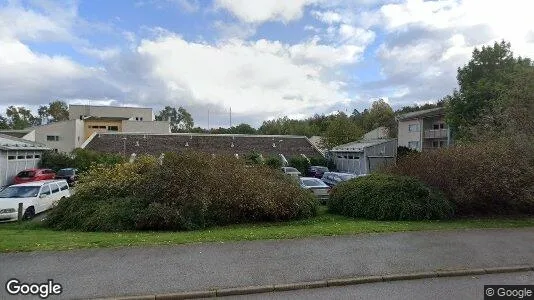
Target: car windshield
(19,192)
(346,176)
(291,170)
(65,172)
(312,182)
(26,174)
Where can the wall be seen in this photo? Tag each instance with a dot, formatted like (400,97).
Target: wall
(10,167)
(67,132)
(405,136)
(378,133)
(146,127)
(349,162)
(379,155)
(88,130)
(30,136)
(110,111)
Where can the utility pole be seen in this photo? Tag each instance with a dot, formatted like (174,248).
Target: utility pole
(230,116)
(208,120)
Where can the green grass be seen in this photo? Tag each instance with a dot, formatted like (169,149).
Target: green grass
(31,236)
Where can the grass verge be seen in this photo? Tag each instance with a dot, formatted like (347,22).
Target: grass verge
(31,236)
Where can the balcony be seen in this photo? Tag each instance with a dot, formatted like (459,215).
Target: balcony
(435,134)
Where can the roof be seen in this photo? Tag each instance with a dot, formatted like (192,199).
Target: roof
(219,144)
(105,118)
(37,183)
(438,111)
(359,146)
(107,106)
(11,143)
(16,133)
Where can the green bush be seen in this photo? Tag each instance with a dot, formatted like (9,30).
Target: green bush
(187,191)
(56,161)
(273,162)
(388,197)
(300,163)
(253,158)
(82,159)
(490,178)
(318,161)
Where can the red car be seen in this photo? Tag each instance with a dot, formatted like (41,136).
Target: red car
(34,175)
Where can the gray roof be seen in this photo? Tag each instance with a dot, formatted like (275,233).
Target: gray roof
(16,133)
(359,146)
(11,143)
(422,113)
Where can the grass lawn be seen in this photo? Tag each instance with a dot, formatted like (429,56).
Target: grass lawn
(31,236)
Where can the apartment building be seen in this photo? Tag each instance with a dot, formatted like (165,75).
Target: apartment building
(424,130)
(85,121)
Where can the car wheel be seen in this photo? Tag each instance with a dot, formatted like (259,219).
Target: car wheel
(29,213)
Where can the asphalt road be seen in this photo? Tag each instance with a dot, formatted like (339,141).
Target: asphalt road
(471,287)
(149,270)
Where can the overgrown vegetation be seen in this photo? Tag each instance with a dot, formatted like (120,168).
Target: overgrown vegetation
(388,197)
(82,159)
(187,191)
(491,177)
(300,163)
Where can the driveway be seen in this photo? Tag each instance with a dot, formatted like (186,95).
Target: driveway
(150,270)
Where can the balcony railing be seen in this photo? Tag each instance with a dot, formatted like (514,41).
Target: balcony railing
(435,133)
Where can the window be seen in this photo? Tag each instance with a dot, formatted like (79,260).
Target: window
(52,138)
(20,157)
(81,117)
(45,190)
(140,118)
(413,144)
(113,128)
(55,188)
(37,156)
(11,157)
(29,156)
(438,126)
(63,186)
(413,128)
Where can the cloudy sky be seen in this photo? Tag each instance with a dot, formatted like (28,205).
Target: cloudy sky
(262,58)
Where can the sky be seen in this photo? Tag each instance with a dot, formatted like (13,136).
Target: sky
(263,58)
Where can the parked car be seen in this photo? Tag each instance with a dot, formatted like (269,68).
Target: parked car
(317,186)
(291,171)
(69,174)
(333,178)
(35,196)
(34,175)
(317,171)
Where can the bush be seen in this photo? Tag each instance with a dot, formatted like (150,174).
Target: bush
(56,161)
(403,151)
(300,163)
(494,177)
(318,161)
(81,159)
(273,162)
(187,191)
(253,158)
(388,197)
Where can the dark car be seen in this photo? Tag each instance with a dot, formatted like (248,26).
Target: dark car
(317,171)
(69,174)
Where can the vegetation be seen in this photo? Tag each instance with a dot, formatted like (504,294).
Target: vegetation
(300,163)
(273,162)
(56,111)
(32,236)
(492,177)
(388,197)
(82,159)
(180,119)
(403,151)
(186,192)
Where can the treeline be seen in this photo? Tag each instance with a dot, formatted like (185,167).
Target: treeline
(19,117)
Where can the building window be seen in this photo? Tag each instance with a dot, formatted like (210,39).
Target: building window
(113,128)
(37,156)
(20,157)
(11,157)
(140,118)
(29,156)
(136,118)
(413,145)
(438,126)
(413,128)
(52,138)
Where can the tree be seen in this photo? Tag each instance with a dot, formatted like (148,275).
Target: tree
(55,111)
(180,119)
(21,118)
(242,129)
(4,123)
(482,81)
(380,115)
(340,131)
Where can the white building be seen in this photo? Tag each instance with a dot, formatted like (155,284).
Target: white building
(17,154)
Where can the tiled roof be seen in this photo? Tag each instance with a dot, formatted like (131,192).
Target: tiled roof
(360,145)
(219,144)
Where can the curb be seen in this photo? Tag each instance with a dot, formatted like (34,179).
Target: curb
(247,290)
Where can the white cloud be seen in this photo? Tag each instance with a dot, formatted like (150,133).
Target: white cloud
(328,17)
(260,11)
(102,54)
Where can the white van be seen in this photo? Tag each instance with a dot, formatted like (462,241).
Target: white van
(35,196)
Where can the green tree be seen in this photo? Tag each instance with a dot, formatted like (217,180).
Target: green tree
(380,115)
(4,123)
(180,119)
(482,81)
(55,111)
(21,118)
(340,131)
(242,129)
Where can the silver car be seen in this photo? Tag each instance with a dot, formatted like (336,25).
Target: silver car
(333,178)
(291,171)
(319,188)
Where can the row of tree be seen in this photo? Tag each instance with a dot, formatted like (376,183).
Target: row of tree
(22,118)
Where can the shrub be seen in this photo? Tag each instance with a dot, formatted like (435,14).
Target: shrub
(253,158)
(81,159)
(187,191)
(318,161)
(56,161)
(300,163)
(494,177)
(388,197)
(273,162)
(403,151)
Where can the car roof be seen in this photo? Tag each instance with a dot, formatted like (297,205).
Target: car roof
(68,169)
(38,183)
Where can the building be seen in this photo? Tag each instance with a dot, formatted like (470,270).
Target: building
(17,154)
(85,120)
(424,130)
(364,156)
(318,142)
(25,134)
(239,145)
(378,133)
